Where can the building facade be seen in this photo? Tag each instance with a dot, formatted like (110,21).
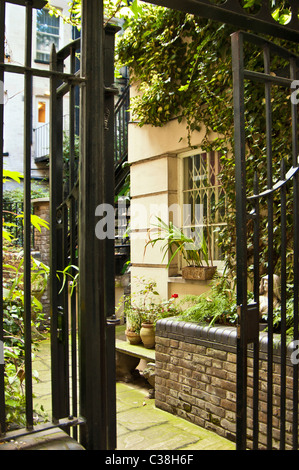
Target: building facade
(47,30)
(170,178)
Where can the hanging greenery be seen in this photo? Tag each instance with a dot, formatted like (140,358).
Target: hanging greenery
(181,66)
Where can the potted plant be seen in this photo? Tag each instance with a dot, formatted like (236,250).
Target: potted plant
(199,260)
(133,327)
(143,309)
(148,307)
(133,321)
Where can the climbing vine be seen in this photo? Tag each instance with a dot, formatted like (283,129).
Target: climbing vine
(181,66)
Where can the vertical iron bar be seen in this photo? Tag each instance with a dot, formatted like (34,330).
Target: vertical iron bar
(59,324)
(27,214)
(294,110)
(93,179)
(270,249)
(256,236)
(241,229)
(2,394)
(73,260)
(109,260)
(54,185)
(283,255)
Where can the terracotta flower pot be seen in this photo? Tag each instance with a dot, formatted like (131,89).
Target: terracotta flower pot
(133,337)
(147,333)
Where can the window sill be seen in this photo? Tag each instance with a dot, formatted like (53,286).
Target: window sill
(46,62)
(179,280)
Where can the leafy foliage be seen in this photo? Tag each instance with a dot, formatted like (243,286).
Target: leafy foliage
(181,65)
(146,306)
(216,306)
(175,241)
(13,313)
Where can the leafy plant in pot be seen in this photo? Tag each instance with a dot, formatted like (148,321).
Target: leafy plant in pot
(148,310)
(198,258)
(151,308)
(133,320)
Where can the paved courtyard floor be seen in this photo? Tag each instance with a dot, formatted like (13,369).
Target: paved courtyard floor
(140,425)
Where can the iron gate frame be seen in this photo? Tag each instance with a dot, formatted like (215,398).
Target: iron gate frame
(248,330)
(95,89)
(97,413)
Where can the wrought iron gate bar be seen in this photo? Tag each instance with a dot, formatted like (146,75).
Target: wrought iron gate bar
(2,388)
(268,115)
(68,50)
(280,187)
(283,297)
(27,216)
(282,182)
(38,4)
(231,12)
(19,69)
(62,423)
(294,116)
(265,78)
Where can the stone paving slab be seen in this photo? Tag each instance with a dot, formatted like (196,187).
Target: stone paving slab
(142,426)
(53,439)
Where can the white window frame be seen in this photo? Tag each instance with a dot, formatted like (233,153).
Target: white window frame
(214,226)
(46,59)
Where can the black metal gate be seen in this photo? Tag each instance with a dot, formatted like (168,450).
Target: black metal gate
(78,185)
(255,207)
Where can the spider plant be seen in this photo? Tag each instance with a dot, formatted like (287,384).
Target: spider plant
(175,241)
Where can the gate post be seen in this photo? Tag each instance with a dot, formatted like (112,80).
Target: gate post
(96,256)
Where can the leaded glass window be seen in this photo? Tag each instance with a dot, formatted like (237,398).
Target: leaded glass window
(203,199)
(47,33)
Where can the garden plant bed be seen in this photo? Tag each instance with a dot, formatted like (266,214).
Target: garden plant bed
(196,377)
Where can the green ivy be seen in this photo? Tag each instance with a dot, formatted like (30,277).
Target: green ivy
(181,65)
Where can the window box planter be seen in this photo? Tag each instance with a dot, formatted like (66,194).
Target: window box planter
(201,273)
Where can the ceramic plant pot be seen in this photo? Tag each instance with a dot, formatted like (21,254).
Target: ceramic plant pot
(133,337)
(201,273)
(147,333)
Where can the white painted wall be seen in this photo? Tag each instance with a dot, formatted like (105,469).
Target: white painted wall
(14,85)
(156,172)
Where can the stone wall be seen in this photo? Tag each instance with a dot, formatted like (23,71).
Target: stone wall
(196,379)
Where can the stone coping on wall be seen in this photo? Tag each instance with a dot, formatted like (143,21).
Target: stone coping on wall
(218,336)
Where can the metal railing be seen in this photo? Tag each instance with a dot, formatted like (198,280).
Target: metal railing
(42,142)
(121,121)
(13,222)
(42,139)
(257,202)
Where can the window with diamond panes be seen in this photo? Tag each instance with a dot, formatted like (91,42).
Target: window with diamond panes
(202,194)
(47,33)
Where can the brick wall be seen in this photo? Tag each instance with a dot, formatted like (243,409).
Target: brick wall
(41,208)
(196,378)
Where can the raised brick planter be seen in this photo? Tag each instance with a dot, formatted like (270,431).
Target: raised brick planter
(196,377)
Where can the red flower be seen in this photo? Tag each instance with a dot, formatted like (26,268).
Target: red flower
(175,296)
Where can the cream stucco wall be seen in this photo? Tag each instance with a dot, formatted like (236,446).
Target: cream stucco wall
(156,169)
